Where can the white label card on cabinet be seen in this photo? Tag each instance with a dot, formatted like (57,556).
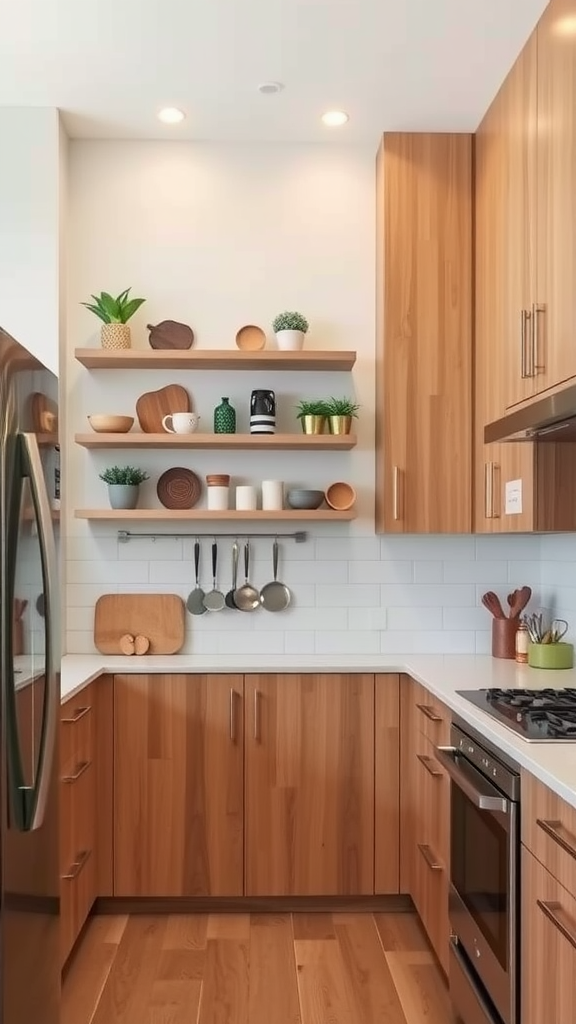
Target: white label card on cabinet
(513,505)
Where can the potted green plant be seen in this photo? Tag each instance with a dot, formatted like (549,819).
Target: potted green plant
(115,314)
(290,329)
(340,412)
(123,485)
(312,415)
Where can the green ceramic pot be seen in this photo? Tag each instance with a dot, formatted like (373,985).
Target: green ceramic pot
(224,418)
(551,655)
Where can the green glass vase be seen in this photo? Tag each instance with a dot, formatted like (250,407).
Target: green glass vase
(224,418)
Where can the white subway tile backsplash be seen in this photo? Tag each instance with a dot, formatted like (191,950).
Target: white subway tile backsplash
(347,643)
(374,619)
(299,642)
(381,572)
(414,618)
(465,618)
(354,595)
(108,572)
(351,548)
(428,548)
(428,572)
(476,572)
(429,596)
(162,549)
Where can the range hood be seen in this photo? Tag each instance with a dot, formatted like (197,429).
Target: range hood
(548,419)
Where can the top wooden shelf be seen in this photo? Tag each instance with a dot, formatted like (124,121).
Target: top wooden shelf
(212,359)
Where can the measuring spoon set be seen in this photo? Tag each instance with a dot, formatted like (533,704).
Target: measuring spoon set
(274,596)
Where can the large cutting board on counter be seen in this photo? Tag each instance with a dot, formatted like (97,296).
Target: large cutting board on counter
(160,617)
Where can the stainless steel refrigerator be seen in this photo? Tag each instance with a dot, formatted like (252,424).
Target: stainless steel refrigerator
(30,685)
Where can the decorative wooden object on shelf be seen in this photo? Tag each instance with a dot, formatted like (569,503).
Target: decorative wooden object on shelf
(179,488)
(153,406)
(213,359)
(170,335)
(207,515)
(240,442)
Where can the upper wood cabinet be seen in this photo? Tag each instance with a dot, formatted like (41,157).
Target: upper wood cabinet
(539,103)
(178,801)
(309,779)
(424,347)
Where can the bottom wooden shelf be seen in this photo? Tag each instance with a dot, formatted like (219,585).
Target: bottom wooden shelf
(152,515)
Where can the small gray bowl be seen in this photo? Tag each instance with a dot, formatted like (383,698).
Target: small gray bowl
(302,498)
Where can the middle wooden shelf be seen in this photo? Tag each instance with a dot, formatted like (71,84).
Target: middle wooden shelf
(239,442)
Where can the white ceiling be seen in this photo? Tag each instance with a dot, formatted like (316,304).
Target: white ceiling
(392,64)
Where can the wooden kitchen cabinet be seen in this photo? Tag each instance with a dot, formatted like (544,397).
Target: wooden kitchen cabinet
(178,777)
(309,785)
(425,810)
(424,332)
(387,785)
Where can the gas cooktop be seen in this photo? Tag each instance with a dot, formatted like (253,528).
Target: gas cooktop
(543,716)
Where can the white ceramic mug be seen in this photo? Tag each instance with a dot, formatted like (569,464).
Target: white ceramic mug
(272,494)
(246,499)
(182,422)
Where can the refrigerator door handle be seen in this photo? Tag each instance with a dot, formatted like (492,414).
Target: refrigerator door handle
(49,570)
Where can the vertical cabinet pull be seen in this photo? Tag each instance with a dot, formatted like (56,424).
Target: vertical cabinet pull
(396,493)
(77,866)
(488,490)
(429,857)
(536,365)
(257,716)
(523,355)
(232,715)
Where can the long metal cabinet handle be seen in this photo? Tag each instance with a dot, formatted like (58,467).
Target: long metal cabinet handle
(257,716)
(232,715)
(429,857)
(428,764)
(395,493)
(51,619)
(77,866)
(551,829)
(494,491)
(550,910)
(483,801)
(78,714)
(429,713)
(80,769)
(537,366)
(523,362)
(488,489)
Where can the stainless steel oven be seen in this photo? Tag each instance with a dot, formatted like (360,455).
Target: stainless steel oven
(484,880)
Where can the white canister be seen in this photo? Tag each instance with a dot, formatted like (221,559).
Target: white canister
(218,498)
(246,498)
(272,495)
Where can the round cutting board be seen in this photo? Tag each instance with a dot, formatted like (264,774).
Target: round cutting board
(179,488)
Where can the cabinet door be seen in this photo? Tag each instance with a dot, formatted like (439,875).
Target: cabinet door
(309,785)
(178,801)
(495,464)
(518,101)
(556,272)
(424,373)
(387,785)
(548,947)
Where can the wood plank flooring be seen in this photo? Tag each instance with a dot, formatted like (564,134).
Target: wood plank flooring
(345,968)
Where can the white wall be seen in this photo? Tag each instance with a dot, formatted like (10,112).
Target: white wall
(221,236)
(31,201)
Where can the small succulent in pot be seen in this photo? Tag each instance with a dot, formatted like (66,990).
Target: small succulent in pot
(312,414)
(115,314)
(123,483)
(340,412)
(290,329)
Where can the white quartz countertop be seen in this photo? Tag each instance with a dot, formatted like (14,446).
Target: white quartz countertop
(442,674)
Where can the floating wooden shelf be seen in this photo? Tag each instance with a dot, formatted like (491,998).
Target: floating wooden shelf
(47,440)
(237,442)
(158,515)
(212,359)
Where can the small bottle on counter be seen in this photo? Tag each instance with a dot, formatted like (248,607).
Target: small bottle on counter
(521,644)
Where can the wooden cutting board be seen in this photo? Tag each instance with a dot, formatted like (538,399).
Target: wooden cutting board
(170,334)
(154,405)
(160,617)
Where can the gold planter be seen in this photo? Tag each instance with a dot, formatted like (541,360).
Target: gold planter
(340,424)
(115,336)
(313,424)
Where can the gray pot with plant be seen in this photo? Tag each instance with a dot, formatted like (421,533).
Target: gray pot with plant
(123,485)
(114,313)
(312,415)
(290,329)
(340,412)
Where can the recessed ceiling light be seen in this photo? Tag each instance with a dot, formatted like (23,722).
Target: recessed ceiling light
(334,118)
(270,88)
(171,115)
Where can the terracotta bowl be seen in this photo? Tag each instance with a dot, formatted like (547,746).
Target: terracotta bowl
(340,496)
(105,424)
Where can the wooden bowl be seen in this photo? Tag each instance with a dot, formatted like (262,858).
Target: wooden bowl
(105,424)
(250,338)
(340,496)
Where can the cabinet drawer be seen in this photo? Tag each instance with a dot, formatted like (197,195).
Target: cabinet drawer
(549,830)
(77,894)
(77,730)
(548,947)
(432,716)
(433,784)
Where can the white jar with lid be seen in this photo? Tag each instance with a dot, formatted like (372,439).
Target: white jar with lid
(218,491)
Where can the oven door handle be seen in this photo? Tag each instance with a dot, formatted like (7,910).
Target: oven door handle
(483,801)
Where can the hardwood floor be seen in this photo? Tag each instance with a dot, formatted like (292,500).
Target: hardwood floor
(345,968)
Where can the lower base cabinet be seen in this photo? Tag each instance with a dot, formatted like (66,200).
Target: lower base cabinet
(178,785)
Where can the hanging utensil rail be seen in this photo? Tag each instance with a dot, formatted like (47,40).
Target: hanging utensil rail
(300,536)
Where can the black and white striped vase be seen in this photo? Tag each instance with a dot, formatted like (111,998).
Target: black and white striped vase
(263,412)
